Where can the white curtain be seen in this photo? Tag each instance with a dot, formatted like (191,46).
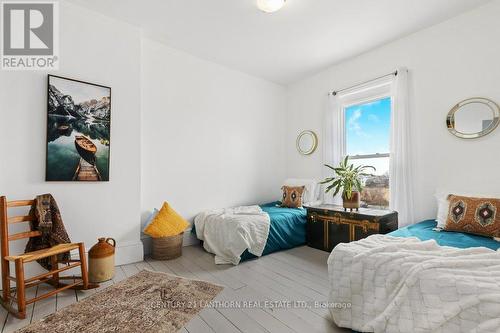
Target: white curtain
(333,142)
(401,163)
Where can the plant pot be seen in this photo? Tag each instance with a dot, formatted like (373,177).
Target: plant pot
(353,203)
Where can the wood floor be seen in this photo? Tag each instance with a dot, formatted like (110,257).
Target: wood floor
(299,274)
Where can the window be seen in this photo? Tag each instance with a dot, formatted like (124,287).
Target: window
(367,139)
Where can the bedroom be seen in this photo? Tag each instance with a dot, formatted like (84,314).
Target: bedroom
(208,100)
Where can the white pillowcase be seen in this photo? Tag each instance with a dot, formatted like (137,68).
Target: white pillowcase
(443,206)
(150,218)
(311,191)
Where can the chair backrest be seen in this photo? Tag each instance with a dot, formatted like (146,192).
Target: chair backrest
(5,220)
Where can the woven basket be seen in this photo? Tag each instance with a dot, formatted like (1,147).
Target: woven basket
(166,248)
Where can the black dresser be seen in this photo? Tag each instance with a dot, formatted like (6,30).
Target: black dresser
(329,225)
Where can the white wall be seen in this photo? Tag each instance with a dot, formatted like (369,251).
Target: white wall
(97,49)
(212,137)
(449,62)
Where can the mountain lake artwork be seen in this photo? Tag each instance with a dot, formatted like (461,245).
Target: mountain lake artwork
(78,130)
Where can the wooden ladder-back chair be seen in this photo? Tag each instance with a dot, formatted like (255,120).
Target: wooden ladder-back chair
(52,277)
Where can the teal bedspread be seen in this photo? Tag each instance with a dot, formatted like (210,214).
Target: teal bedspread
(287,230)
(423,231)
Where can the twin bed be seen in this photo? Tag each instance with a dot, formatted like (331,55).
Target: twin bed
(237,238)
(417,279)
(241,233)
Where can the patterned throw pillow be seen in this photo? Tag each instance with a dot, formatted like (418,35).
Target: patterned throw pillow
(480,216)
(292,196)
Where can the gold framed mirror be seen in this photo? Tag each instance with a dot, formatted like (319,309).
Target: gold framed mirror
(473,118)
(307,142)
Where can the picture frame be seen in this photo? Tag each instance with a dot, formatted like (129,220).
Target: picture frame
(78,142)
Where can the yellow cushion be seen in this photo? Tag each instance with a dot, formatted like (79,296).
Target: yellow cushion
(166,223)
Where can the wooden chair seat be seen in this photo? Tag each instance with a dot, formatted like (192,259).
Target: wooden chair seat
(44,253)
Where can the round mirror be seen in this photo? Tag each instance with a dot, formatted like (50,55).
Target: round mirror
(473,118)
(307,142)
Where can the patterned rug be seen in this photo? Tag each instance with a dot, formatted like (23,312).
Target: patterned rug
(145,302)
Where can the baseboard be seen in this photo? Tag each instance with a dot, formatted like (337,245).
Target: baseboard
(128,253)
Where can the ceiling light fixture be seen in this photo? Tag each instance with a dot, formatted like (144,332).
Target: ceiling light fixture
(270,6)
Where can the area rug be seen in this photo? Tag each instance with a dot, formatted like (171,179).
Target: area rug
(146,302)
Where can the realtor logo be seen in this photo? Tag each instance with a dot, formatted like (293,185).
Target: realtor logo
(29,35)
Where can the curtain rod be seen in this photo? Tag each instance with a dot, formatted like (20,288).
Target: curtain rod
(335,92)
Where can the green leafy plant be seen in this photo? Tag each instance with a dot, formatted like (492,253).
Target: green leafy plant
(348,178)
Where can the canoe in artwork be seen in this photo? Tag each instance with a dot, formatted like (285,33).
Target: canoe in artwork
(86,148)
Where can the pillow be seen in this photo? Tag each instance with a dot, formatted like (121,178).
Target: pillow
(442,213)
(292,196)
(166,223)
(480,216)
(319,190)
(311,189)
(150,218)
(443,205)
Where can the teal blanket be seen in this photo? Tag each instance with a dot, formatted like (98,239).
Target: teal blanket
(423,231)
(287,229)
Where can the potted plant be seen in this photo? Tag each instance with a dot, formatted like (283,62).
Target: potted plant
(348,180)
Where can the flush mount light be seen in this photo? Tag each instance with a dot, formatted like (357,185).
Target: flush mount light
(270,6)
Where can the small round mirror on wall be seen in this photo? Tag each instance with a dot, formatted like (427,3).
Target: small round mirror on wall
(473,118)
(307,142)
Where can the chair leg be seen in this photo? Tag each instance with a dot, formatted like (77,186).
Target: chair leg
(83,261)
(5,281)
(54,264)
(20,292)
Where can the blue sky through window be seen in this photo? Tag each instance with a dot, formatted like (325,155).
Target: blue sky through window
(368,127)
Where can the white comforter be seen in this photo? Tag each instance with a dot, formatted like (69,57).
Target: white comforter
(228,232)
(407,285)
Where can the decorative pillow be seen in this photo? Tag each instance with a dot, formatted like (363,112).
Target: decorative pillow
(292,196)
(166,223)
(480,216)
(310,190)
(444,205)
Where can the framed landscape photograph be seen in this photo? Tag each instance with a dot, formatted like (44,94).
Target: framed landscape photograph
(78,130)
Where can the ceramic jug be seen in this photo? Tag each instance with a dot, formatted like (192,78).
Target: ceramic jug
(102,260)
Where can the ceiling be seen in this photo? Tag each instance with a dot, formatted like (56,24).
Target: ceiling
(303,38)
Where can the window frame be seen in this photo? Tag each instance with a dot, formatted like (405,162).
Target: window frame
(363,97)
